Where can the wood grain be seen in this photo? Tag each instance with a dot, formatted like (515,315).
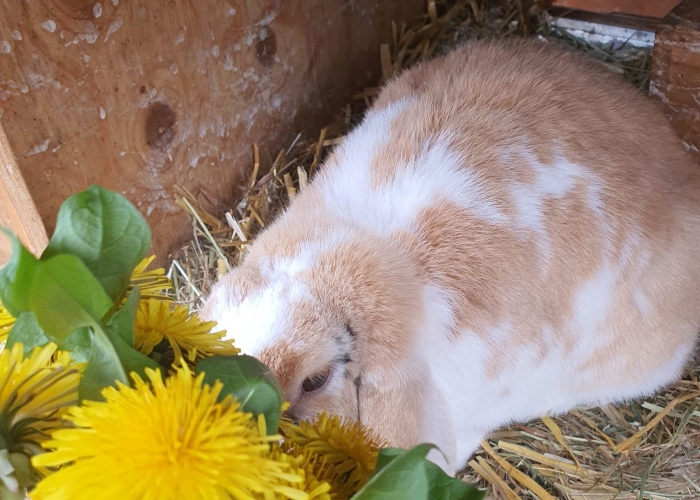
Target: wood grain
(140,96)
(675,71)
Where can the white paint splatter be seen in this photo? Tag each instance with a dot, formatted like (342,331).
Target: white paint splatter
(195,159)
(228,65)
(97,9)
(103,114)
(230,12)
(122,153)
(115,2)
(86,58)
(56,148)
(690,147)
(215,51)
(180,37)
(114,27)
(174,68)
(40,148)
(90,35)
(5,47)
(17,35)
(49,25)
(265,21)
(276,101)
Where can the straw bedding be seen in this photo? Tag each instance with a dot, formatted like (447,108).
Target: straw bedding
(649,449)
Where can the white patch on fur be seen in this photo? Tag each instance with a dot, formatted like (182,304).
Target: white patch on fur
(523,389)
(436,173)
(528,205)
(643,303)
(261,319)
(345,185)
(439,306)
(592,303)
(308,253)
(552,182)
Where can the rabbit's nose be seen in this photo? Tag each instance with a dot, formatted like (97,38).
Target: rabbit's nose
(291,416)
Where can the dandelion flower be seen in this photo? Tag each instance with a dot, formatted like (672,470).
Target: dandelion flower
(157,320)
(151,283)
(348,447)
(163,440)
(7,321)
(35,393)
(313,471)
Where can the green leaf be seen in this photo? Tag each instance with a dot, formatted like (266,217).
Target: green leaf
(16,475)
(65,296)
(108,234)
(26,331)
(441,486)
(107,362)
(23,469)
(122,323)
(445,487)
(6,494)
(120,331)
(79,343)
(104,368)
(16,277)
(386,455)
(250,382)
(131,359)
(402,476)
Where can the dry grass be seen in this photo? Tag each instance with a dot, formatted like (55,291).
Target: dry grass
(649,449)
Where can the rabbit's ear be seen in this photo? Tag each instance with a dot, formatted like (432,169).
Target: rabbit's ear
(408,410)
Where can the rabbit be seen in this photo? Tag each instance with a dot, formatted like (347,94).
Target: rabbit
(510,232)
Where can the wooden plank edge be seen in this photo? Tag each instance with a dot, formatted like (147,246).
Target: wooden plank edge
(17,206)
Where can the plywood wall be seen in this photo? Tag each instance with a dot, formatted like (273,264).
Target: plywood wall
(140,96)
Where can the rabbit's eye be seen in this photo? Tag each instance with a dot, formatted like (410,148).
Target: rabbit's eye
(316,381)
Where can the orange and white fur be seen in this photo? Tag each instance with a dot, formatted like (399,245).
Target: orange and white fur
(510,232)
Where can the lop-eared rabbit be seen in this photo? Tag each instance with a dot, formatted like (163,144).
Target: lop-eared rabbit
(510,232)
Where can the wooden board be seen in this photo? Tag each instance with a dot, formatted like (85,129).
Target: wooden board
(675,71)
(17,209)
(644,8)
(140,96)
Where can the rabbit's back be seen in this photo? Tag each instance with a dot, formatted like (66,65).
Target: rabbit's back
(552,214)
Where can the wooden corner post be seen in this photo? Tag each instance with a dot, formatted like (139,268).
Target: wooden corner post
(675,71)
(17,209)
